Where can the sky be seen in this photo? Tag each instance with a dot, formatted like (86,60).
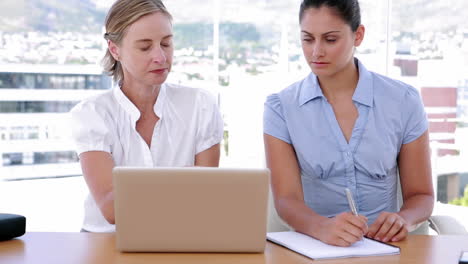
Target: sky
(103,3)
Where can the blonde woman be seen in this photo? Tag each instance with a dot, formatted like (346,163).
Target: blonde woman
(142,121)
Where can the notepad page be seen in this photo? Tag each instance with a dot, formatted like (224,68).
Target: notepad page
(313,248)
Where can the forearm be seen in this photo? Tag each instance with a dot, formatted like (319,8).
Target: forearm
(209,157)
(417,209)
(106,205)
(97,170)
(300,217)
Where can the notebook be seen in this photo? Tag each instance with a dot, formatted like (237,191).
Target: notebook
(316,249)
(191,209)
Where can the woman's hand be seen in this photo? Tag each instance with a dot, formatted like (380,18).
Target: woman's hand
(343,230)
(388,227)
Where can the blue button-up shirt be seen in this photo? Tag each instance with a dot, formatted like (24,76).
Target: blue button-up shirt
(391,113)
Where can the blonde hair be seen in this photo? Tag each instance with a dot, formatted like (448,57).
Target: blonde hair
(121,15)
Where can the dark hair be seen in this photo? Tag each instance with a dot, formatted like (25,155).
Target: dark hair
(348,10)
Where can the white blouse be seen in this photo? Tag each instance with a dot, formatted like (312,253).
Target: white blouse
(189,123)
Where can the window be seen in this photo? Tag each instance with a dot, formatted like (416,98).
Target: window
(241,51)
(429,50)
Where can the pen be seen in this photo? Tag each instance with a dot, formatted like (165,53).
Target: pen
(351,203)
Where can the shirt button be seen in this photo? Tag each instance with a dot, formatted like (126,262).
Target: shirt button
(348,153)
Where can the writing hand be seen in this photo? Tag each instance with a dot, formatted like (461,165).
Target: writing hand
(343,230)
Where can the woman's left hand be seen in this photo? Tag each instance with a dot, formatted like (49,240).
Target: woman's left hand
(389,227)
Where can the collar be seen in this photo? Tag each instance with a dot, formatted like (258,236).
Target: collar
(310,89)
(132,110)
(161,101)
(364,93)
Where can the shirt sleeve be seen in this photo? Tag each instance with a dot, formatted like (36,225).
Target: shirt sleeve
(211,126)
(274,123)
(414,116)
(89,129)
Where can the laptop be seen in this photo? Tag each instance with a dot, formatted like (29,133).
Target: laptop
(190,209)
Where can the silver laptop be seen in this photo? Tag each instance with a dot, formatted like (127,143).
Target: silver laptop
(191,209)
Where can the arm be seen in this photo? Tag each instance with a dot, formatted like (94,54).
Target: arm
(209,157)
(418,194)
(416,181)
(342,230)
(97,170)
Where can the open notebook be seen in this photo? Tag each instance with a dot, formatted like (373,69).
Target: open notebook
(315,249)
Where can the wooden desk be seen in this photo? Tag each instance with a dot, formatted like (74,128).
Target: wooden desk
(89,248)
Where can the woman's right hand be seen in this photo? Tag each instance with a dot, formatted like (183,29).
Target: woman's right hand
(343,230)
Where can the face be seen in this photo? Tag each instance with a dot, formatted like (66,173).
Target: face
(146,51)
(328,42)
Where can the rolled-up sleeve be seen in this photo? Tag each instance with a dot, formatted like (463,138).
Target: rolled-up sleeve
(274,123)
(89,129)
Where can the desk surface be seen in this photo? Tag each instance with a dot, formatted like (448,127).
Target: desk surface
(92,248)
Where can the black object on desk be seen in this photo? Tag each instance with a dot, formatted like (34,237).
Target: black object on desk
(12,226)
(463,258)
